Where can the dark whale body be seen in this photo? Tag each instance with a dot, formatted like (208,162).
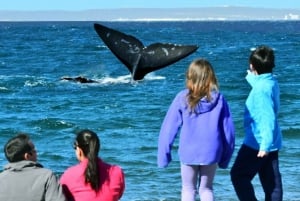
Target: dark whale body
(79,79)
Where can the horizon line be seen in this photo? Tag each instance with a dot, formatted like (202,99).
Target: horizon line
(173,8)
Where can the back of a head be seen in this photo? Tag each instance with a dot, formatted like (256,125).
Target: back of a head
(200,75)
(200,80)
(16,147)
(262,59)
(89,143)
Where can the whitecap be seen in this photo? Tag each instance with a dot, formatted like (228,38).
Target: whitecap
(30,83)
(116,80)
(3,88)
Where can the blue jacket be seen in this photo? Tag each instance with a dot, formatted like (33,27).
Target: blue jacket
(262,131)
(205,138)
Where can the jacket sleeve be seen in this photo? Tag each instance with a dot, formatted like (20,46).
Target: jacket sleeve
(117,182)
(228,136)
(265,118)
(53,189)
(169,129)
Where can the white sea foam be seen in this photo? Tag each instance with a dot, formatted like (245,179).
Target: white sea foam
(153,76)
(31,83)
(115,80)
(3,89)
(127,79)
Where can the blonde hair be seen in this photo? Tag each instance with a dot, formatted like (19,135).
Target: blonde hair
(200,80)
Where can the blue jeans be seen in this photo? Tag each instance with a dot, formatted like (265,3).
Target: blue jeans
(191,175)
(247,165)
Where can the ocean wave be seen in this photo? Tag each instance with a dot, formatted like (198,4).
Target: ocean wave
(3,89)
(34,83)
(50,124)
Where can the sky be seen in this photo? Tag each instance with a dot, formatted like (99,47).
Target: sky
(77,5)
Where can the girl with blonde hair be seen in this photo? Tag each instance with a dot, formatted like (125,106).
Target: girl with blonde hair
(202,116)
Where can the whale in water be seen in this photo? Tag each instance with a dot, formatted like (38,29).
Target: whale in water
(79,79)
(139,59)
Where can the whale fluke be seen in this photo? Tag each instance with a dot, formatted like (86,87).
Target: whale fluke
(139,59)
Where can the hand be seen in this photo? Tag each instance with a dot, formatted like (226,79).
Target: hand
(262,154)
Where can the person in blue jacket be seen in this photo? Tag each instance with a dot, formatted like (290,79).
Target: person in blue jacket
(207,138)
(259,151)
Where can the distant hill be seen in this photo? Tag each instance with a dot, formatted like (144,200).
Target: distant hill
(154,14)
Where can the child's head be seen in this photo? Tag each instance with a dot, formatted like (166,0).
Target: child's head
(262,59)
(200,80)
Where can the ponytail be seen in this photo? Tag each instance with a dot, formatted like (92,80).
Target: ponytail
(89,142)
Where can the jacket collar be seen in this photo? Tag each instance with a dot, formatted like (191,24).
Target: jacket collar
(18,166)
(253,79)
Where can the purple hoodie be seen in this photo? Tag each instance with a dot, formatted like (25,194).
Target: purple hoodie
(206,137)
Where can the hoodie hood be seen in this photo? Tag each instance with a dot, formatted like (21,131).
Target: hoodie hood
(204,105)
(19,166)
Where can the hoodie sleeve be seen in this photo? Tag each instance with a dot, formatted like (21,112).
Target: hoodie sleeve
(228,136)
(169,129)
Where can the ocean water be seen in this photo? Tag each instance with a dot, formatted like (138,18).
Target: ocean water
(127,115)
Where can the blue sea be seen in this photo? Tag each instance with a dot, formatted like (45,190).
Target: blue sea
(127,115)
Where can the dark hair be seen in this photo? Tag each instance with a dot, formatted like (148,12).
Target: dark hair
(262,59)
(16,147)
(89,143)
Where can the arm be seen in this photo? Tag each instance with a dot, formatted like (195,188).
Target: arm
(53,190)
(228,136)
(169,129)
(64,183)
(265,120)
(117,182)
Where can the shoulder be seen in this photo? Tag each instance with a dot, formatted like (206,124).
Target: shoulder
(117,170)
(222,97)
(263,89)
(266,82)
(182,93)
(116,173)
(43,175)
(181,96)
(71,171)
(37,168)
(111,168)
(46,171)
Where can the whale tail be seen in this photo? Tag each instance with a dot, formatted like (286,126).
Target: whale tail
(139,59)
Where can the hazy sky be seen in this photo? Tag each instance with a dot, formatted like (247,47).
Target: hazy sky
(108,4)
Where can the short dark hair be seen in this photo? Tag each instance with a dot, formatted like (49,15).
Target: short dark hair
(262,59)
(16,147)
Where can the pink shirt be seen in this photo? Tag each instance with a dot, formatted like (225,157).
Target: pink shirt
(75,188)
